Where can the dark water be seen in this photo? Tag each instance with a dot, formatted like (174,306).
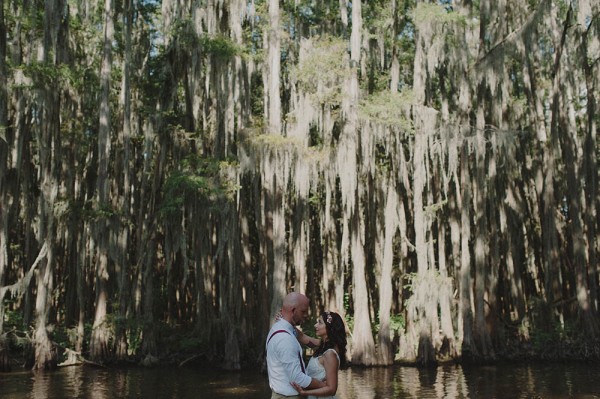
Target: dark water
(500,381)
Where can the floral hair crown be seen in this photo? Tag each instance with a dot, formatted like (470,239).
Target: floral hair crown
(329,318)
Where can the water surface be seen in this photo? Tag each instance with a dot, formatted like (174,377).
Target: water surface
(499,381)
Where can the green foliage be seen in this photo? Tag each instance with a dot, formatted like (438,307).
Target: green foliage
(274,141)
(175,339)
(133,326)
(47,74)
(183,37)
(197,179)
(257,96)
(432,280)
(13,319)
(32,22)
(219,46)
(315,198)
(323,70)
(557,341)
(379,17)
(186,40)
(189,343)
(347,310)
(397,324)
(63,337)
(350,322)
(95,211)
(433,209)
(388,108)
(436,13)
(310,14)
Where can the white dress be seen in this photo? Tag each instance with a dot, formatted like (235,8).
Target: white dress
(316,370)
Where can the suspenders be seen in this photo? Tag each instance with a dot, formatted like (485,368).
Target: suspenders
(299,355)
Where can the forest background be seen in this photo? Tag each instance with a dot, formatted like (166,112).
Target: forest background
(170,170)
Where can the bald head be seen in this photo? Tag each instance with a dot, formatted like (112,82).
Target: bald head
(295,308)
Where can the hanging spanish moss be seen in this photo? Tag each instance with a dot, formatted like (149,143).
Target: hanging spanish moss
(170,170)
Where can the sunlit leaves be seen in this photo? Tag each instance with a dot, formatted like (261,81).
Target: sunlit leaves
(197,180)
(388,108)
(323,68)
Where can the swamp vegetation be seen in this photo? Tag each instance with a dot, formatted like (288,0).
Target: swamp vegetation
(170,169)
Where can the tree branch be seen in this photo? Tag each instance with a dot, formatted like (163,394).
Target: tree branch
(23,282)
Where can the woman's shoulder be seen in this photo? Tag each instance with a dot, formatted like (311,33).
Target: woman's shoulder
(331,354)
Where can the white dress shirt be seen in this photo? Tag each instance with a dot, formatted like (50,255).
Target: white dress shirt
(284,360)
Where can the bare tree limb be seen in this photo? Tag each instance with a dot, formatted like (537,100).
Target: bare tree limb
(18,287)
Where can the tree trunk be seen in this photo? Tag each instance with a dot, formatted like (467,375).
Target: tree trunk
(4,209)
(99,348)
(149,247)
(230,281)
(465,325)
(124,199)
(481,333)
(386,355)
(448,344)
(577,248)
(272,176)
(510,229)
(149,347)
(363,345)
(590,169)
(273,66)
(333,264)
(49,156)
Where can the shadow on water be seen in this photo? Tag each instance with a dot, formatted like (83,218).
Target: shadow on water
(450,381)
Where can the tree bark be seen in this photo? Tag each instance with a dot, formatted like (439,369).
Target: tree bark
(49,155)
(124,198)
(99,342)
(273,159)
(577,250)
(4,209)
(465,325)
(386,355)
(590,168)
(481,248)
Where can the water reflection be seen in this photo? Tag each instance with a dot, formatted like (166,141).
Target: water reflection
(41,386)
(452,381)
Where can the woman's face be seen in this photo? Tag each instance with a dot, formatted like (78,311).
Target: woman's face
(320,328)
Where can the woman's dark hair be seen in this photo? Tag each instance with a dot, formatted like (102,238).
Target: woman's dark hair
(336,334)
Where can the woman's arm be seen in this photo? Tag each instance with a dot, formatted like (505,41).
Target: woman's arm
(307,340)
(300,336)
(331,363)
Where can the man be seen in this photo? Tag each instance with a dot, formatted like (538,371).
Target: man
(284,354)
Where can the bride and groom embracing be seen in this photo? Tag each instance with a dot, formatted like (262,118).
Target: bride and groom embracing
(288,377)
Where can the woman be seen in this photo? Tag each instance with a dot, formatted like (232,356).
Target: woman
(329,355)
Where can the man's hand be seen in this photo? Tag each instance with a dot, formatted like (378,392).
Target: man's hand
(298,388)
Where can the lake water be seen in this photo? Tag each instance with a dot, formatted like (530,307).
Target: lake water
(504,381)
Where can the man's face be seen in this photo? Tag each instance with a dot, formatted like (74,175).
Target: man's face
(300,313)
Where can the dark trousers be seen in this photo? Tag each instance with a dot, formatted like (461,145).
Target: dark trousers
(275,395)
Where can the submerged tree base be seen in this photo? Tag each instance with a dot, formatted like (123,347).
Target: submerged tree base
(183,349)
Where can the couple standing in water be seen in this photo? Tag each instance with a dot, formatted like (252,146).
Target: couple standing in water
(288,377)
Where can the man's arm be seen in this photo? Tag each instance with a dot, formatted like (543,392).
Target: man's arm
(327,387)
(290,358)
(315,384)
